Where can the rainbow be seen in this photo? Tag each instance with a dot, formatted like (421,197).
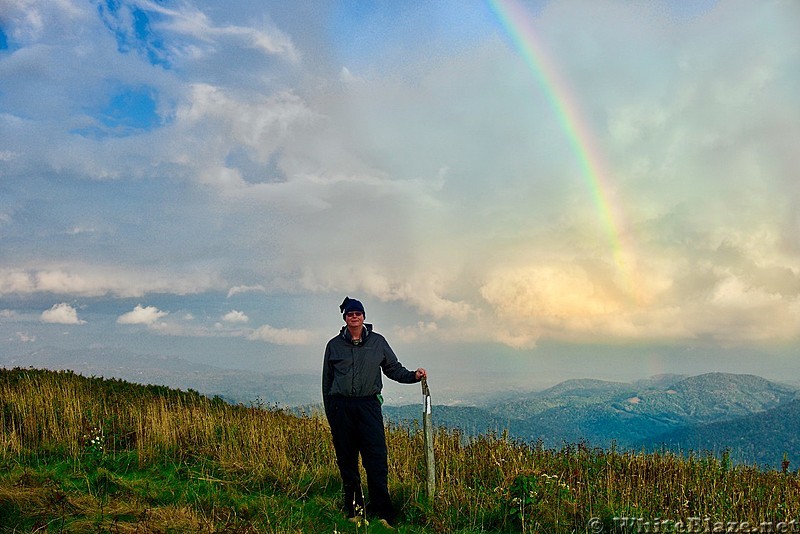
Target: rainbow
(517,23)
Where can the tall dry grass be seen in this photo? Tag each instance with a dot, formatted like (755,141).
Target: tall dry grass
(487,483)
(49,412)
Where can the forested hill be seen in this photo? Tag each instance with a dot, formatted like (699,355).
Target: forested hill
(714,411)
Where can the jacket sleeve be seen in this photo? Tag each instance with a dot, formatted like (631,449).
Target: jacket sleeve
(327,375)
(393,369)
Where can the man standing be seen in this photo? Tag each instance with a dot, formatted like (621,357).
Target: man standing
(351,387)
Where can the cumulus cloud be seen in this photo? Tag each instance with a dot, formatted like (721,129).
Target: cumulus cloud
(703,302)
(557,292)
(258,127)
(61,314)
(235,316)
(142,315)
(281,336)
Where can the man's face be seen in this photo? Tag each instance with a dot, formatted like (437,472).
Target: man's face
(354,319)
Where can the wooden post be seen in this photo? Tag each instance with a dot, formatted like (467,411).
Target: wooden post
(427,433)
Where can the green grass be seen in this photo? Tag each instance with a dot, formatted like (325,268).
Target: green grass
(117,495)
(91,455)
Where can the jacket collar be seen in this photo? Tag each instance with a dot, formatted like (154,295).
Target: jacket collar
(366,330)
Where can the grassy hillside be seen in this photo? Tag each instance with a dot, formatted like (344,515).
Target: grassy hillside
(91,455)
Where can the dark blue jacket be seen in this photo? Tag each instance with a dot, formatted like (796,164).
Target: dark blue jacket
(354,369)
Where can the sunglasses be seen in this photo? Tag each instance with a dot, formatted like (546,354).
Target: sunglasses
(354,314)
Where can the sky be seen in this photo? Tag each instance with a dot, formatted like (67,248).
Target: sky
(520,192)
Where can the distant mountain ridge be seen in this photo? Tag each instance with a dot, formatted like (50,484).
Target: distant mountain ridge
(700,413)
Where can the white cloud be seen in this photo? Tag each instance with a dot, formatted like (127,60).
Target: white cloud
(25,337)
(557,291)
(192,22)
(419,332)
(254,128)
(680,302)
(142,315)
(98,280)
(245,289)
(422,290)
(281,336)
(61,314)
(235,316)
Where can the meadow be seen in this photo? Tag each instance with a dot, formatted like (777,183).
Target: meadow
(86,454)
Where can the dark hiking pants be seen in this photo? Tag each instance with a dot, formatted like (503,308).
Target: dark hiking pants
(357,428)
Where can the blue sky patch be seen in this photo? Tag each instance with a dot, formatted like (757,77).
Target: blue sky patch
(131,108)
(129,111)
(131,28)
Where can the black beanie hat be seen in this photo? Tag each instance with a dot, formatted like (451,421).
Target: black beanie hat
(351,305)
